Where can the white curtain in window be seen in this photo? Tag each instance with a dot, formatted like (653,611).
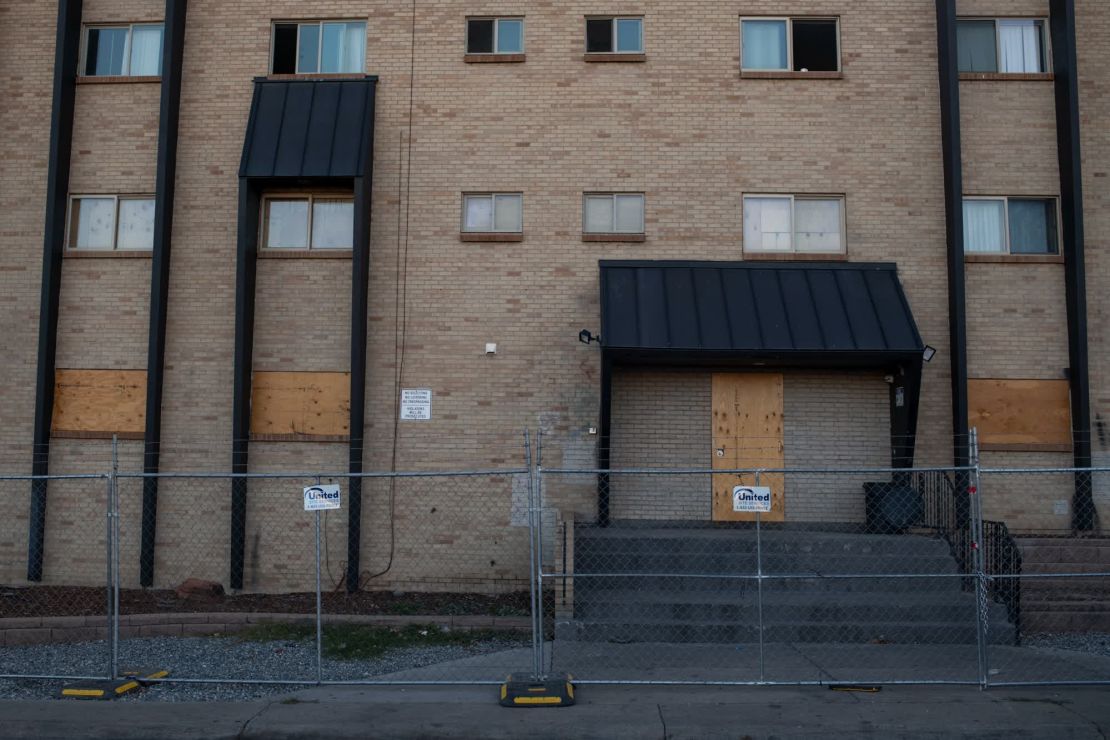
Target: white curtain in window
(287,224)
(507,213)
(344,48)
(985,226)
(479,213)
(630,214)
(1020,45)
(599,214)
(136,224)
(764,44)
(333,224)
(146,51)
(767,224)
(817,225)
(96,219)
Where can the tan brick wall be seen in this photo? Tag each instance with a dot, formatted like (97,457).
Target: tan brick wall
(682,127)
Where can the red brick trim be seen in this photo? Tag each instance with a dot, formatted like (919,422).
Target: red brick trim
(789,75)
(614,237)
(1035,259)
(108,254)
(63,434)
(493,58)
(484,236)
(300,437)
(43,630)
(1007,77)
(610,57)
(116,79)
(305,254)
(1000,447)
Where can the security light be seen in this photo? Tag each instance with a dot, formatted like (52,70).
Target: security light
(929,353)
(586,337)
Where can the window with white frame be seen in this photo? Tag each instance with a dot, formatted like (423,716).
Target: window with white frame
(309,222)
(133,50)
(111,222)
(614,35)
(493,213)
(613,213)
(495,36)
(1014,225)
(790,44)
(319,47)
(794,223)
(1008,45)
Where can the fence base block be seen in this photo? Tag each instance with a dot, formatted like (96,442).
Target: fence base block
(523,690)
(101,689)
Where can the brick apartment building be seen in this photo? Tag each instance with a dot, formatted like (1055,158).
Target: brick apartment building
(266,220)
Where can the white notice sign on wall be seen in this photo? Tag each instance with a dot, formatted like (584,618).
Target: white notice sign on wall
(321,498)
(751,499)
(416,404)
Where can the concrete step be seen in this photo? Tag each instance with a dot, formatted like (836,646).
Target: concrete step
(634,540)
(1063,620)
(675,631)
(1064,566)
(1054,550)
(668,563)
(689,584)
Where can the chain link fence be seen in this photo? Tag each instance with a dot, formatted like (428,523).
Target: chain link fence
(826,574)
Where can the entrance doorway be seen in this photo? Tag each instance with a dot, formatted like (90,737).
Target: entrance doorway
(747,433)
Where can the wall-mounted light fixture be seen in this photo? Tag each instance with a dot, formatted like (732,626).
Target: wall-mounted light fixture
(929,354)
(586,337)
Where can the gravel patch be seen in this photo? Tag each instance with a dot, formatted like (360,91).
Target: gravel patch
(230,658)
(1091,643)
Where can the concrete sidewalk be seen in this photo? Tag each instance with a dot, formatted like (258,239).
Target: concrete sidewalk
(602,712)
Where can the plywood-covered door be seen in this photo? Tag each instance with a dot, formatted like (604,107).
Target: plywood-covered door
(747,433)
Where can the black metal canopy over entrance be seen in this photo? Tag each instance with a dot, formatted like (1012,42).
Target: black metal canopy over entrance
(728,315)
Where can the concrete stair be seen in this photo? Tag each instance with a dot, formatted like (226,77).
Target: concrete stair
(687,584)
(1065,604)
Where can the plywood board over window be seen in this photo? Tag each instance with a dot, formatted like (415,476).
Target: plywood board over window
(301,406)
(97,404)
(1020,415)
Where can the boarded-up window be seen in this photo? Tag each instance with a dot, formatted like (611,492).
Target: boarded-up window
(315,406)
(1020,414)
(99,403)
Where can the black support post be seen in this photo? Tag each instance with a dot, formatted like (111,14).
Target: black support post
(604,432)
(360,295)
(905,398)
(245,277)
(948,65)
(1066,73)
(173,51)
(66,52)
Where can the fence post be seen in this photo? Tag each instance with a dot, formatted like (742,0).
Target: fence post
(981,598)
(538,534)
(759,582)
(113,550)
(533,570)
(319,605)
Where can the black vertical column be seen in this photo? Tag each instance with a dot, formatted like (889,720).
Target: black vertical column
(246,271)
(605,427)
(1071,207)
(360,296)
(948,65)
(905,400)
(173,50)
(66,52)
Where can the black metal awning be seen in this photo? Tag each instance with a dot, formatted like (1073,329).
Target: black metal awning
(309,128)
(797,315)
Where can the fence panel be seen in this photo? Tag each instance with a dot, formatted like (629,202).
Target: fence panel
(56,625)
(676,586)
(1047,557)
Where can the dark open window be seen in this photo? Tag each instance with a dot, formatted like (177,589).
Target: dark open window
(599,35)
(285,48)
(815,46)
(479,36)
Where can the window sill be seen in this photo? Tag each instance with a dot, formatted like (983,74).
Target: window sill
(786,75)
(999,447)
(1006,76)
(109,254)
(611,57)
(493,58)
(300,437)
(793,257)
(319,76)
(116,79)
(491,236)
(305,254)
(1035,259)
(63,434)
(631,238)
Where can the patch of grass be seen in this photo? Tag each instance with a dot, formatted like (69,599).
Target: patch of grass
(359,642)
